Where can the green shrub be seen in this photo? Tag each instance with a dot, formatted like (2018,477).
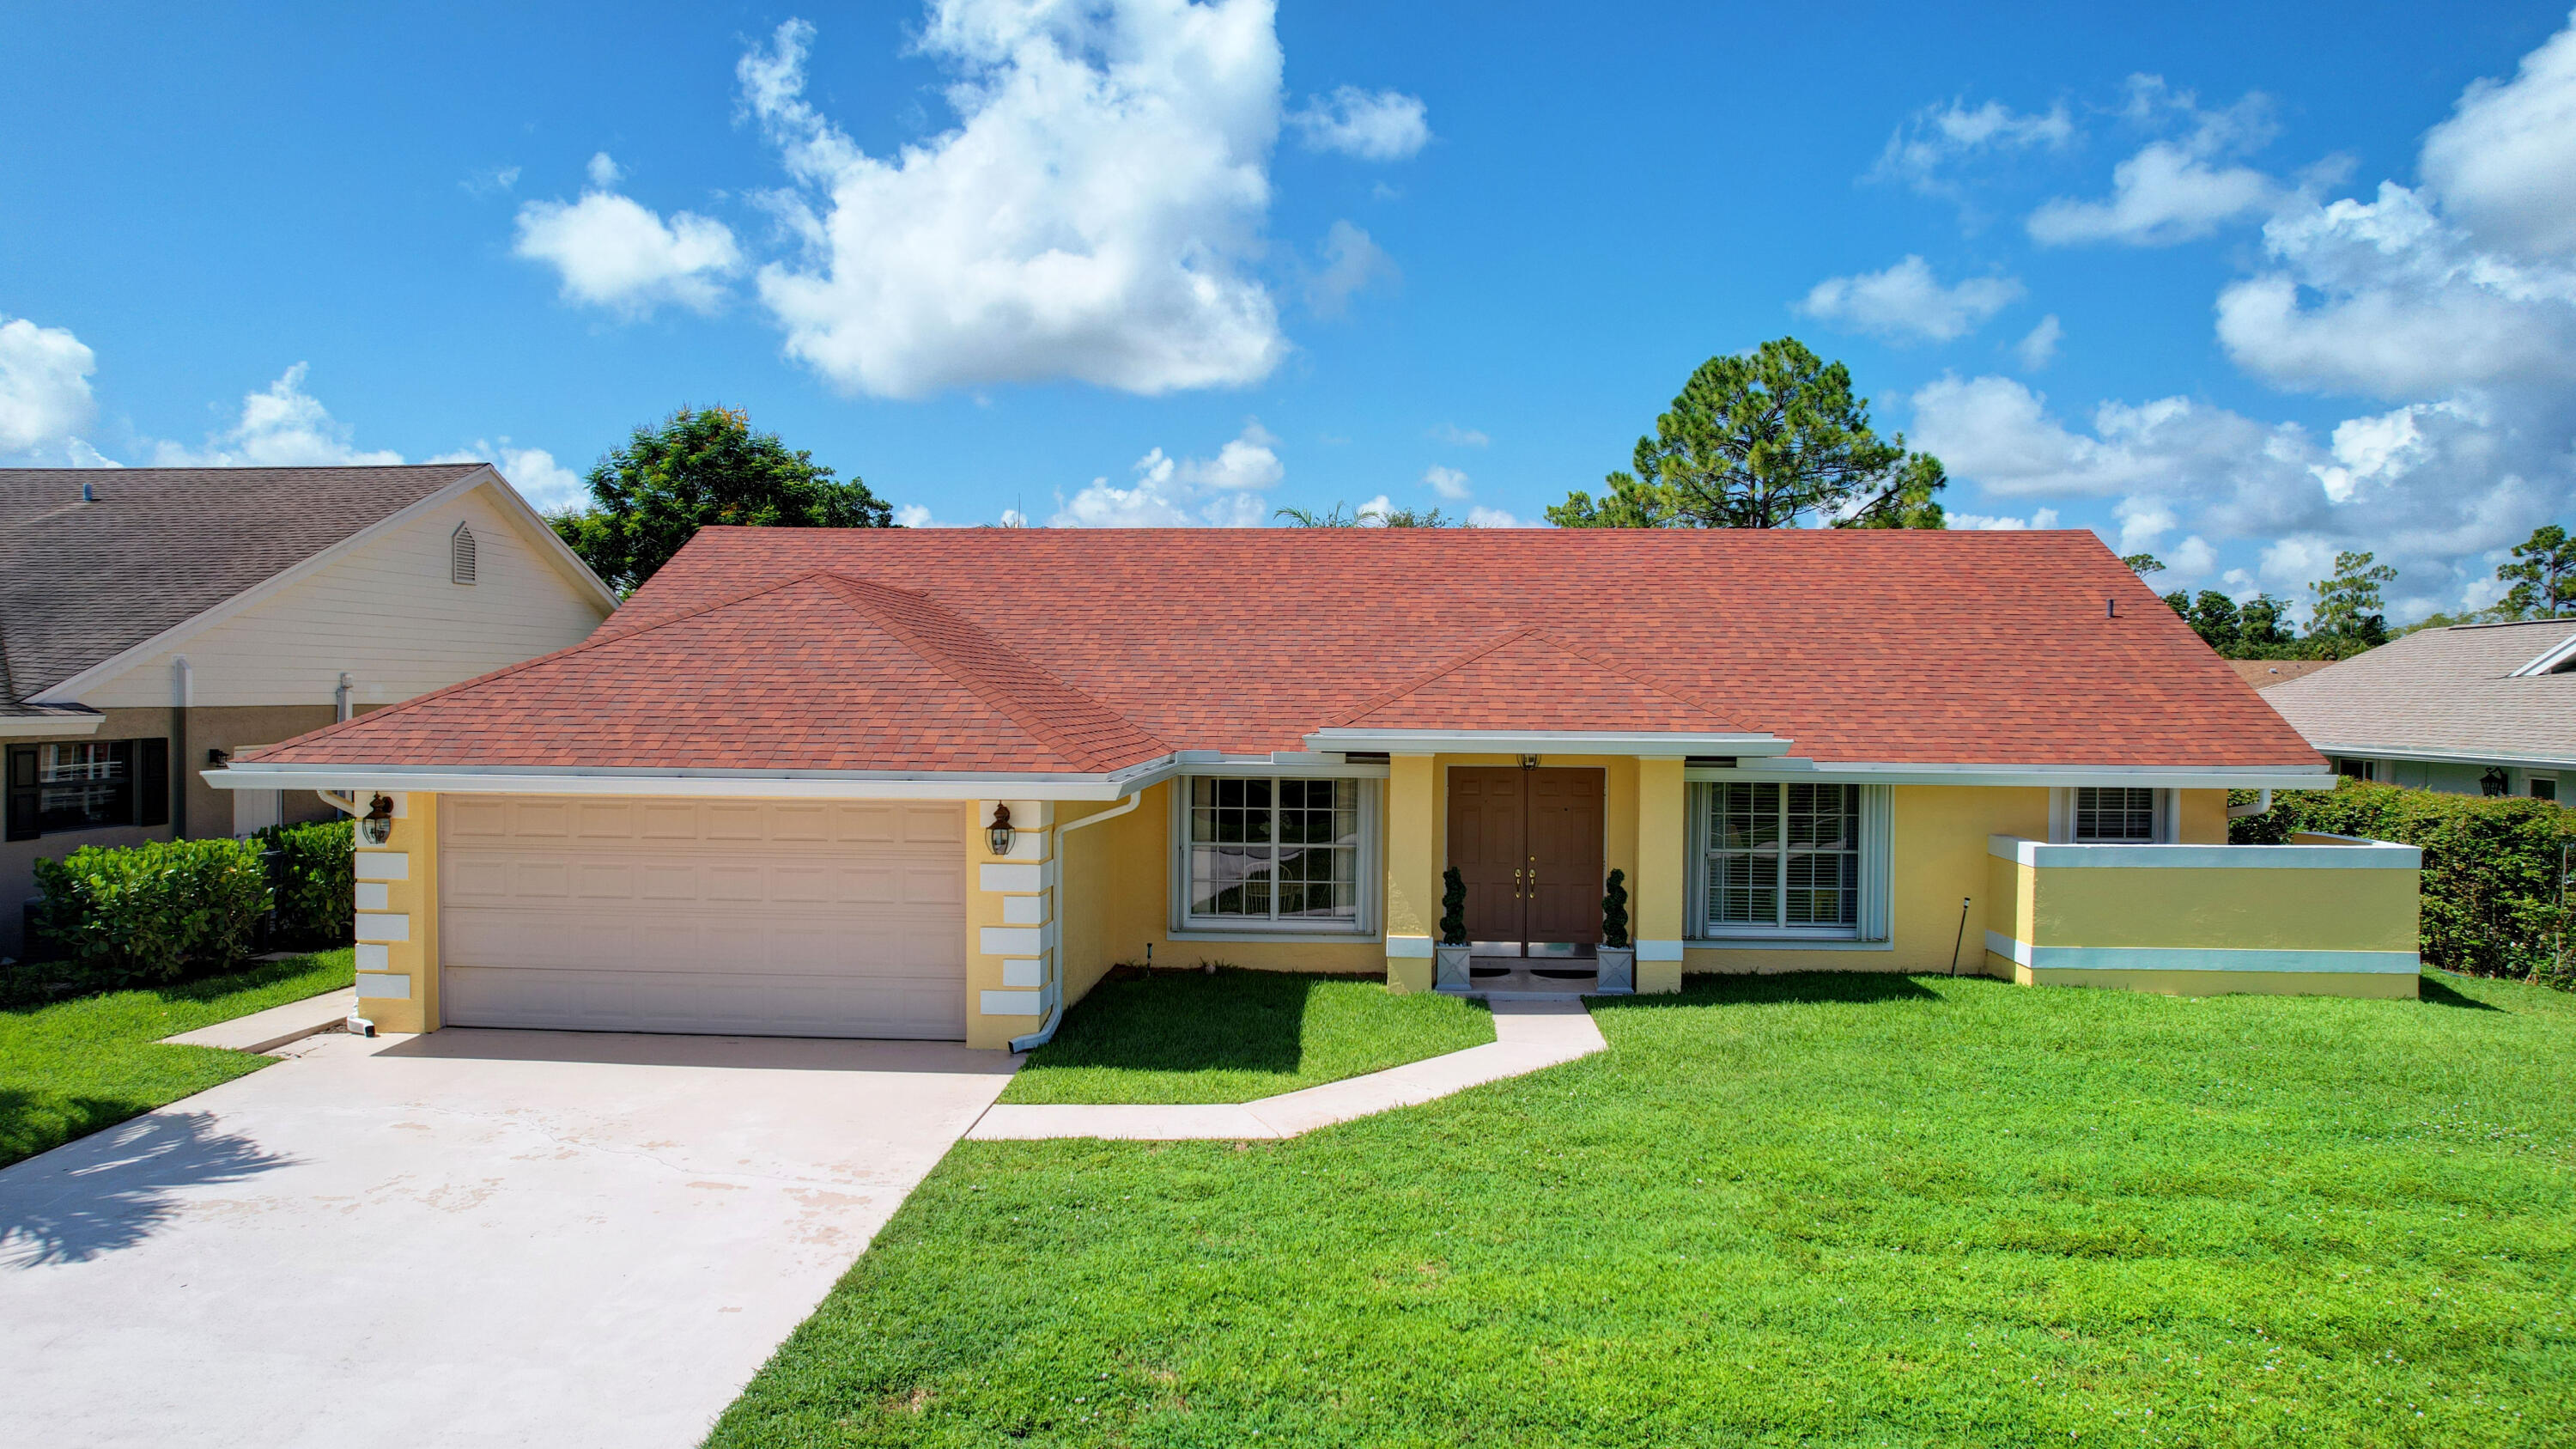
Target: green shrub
(311,871)
(146,914)
(2493,900)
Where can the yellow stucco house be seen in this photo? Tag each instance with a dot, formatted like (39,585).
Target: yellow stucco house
(934,783)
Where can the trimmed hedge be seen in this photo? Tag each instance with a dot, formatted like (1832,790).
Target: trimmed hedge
(149,914)
(2492,894)
(311,870)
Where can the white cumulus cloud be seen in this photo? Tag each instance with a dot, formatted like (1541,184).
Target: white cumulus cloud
(1371,125)
(1483,517)
(1937,139)
(2175,189)
(2504,164)
(913,515)
(1094,214)
(1447,482)
(545,483)
(281,426)
(2000,523)
(1165,492)
(611,251)
(1907,302)
(44,389)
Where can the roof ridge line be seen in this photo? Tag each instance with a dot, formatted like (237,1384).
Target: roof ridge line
(1380,701)
(594,642)
(858,591)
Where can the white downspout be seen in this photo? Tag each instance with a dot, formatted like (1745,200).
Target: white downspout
(1055,852)
(2262,806)
(343,698)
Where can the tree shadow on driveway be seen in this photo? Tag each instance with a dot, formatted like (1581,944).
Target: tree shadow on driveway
(116,1188)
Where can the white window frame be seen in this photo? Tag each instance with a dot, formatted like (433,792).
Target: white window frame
(1877,836)
(1363,925)
(2061,818)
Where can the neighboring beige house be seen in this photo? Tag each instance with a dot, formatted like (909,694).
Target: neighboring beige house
(2474,709)
(156,621)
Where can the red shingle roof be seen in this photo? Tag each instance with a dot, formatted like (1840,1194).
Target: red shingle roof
(1079,650)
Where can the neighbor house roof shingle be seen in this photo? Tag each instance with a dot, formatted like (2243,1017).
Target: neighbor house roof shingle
(1038,649)
(2442,691)
(82,582)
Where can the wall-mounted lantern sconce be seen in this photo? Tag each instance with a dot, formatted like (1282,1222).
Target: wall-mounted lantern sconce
(1529,762)
(999,834)
(377,825)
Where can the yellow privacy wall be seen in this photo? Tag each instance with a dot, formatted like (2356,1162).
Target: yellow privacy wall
(2333,917)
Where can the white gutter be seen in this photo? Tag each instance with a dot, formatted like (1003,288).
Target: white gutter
(2449,757)
(734,784)
(1055,852)
(2248,812)
(2168,777)
(1659,743)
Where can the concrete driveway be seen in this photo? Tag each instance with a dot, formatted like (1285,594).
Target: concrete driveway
(467,1238)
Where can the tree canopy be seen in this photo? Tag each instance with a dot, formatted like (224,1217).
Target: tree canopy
(697,467)
(2542,577)
(1773,439)
(2346,620)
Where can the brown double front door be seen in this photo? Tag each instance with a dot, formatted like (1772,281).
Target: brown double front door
(1527,844)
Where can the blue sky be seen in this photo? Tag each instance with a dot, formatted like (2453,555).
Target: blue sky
(2312,269)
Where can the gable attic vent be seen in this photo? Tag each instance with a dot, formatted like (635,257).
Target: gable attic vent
(460,555)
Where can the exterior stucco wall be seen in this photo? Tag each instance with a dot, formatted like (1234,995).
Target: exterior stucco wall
(2318,917)
(398,940)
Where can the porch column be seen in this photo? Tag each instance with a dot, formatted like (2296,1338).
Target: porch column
(1412,872)
(1655,902)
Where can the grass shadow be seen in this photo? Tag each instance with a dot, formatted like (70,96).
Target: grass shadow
(2432,990)
(1187,1021)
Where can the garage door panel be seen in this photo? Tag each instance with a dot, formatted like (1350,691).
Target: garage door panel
(727,917)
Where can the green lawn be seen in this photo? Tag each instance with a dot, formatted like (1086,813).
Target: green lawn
(1837,1210)
(1185,1036)
(70,1069)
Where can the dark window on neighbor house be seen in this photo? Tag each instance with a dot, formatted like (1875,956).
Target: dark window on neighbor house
(2353,769)
(2544,787)
(2115,814)
(55,789)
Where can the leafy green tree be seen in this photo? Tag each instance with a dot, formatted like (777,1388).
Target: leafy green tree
(1340,517)
(2263,629)
(1771,440)
(702,466)
(2349,616)
(2143,564)
(2542,575)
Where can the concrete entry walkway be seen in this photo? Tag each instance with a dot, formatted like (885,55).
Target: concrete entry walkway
(1528,1035)
(471,1238)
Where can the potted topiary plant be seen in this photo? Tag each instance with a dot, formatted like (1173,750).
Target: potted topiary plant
(1449,966)
(1616,956)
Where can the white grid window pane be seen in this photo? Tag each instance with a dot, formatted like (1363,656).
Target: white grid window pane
(1783,855)
(1263,849)
(2108,814)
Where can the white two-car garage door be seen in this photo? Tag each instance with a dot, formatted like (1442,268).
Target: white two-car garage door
(612,914)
